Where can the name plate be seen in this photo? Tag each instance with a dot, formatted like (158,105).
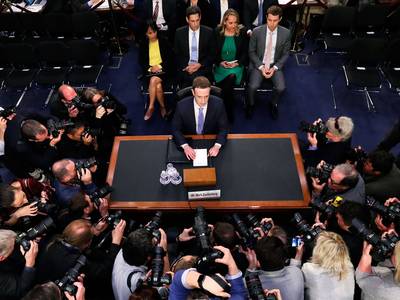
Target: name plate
(204,195)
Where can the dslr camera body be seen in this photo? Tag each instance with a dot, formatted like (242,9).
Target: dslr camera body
(319,128)
(323,173)
(85,163)
(23,239)
(391,212)
(100,193)
(54,126)
(309,233)
(66,284)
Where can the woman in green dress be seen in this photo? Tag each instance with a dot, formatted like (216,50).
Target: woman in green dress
(231,46)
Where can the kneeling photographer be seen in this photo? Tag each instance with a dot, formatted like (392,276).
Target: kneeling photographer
(329,141)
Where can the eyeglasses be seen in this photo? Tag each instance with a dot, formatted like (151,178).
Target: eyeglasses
(337,127)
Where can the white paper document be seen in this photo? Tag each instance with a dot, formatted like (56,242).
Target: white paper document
(201,159)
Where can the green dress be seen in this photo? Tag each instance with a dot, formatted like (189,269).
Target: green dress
(228,53)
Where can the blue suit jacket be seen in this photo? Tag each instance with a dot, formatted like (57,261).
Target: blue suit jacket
(184,121)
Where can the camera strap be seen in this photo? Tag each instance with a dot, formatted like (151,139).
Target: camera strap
(226,287)
(129,280)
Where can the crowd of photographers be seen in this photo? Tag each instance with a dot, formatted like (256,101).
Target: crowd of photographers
(58,238)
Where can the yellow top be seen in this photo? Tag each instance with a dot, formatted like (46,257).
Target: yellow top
(154,54)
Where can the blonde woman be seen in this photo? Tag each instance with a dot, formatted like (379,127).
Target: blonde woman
(329,274)
(380,282)
(231,56)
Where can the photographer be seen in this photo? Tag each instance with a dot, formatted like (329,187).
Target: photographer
(271,254)
(332,144)
(64,106)
(16,267)
(130,266)
(62,253)
(344,181)
(69,181)
(380,282)
(381,176)
(186,280)
(50,290)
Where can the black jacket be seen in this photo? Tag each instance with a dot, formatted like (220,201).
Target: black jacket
(167,55)
(331,153)
(250,11)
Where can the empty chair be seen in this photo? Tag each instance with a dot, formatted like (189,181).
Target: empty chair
(391,68)
(86,62)
(33,25)
(24,61)
(85,24)
(393,23)
(10,25)
(336,28)
(370,21)
(5,66)
(54,59)
(58,25)
(362,71)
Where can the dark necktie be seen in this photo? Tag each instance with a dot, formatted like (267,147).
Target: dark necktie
(155,12)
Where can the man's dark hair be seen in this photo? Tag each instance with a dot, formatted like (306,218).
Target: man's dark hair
(77,205)
(145,293)
(45,291)
(224,235)
(271,253)
(7,195)
(30,128)
(350,210)
(137,247)
(197,294)
(201,82)
(275,10)
(72,129)
(381,161)
(193,10)
(152,24)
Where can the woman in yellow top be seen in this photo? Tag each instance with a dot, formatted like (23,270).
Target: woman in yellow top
(155,56)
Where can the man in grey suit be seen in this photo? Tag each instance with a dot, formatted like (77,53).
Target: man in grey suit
(268,51)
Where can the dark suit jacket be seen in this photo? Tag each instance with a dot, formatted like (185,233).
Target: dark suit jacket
(166,52)
(241,42)
(215,13)
(205,7)
(257,46)
(168,9)
(250,11)
(184,121)
(331,153)
(206,47)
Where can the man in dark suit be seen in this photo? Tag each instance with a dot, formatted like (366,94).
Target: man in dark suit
(254,12)
(163,12)
(203,114)
(219,7)
(268,51)
(194,47)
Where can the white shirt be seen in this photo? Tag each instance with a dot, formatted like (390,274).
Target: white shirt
(224,7)
(197,32)
(260,6)
(160,16)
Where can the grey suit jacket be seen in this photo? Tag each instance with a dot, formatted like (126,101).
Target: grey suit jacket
(257,46)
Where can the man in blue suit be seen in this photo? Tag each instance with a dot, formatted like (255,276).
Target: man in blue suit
(202,114)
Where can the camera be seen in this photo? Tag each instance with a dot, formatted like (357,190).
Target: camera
(38,175)
(66,284)
(254,222)
(85,163)
(123,124)
(256,292)
(24,238)
(319,128)
(157,269)
(6,112)
(44,207)
(357,155)
(381,248)
(296,241)
(201,230)
(326,210)
(93,132)
(54,126)
(114,218)
(391,212)
(79,104)
(246,238)
(154,226)
(322,173)
(100,193)
(107,103)
(309,233)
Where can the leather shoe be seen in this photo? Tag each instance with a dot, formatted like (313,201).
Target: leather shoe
(249,111)
(274,111)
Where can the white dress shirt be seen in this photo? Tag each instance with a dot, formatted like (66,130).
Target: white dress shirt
(224,7)
(197,32)
(160,16)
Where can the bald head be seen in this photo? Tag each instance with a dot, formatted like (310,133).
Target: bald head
(67,92)
(78,233)
(64,170)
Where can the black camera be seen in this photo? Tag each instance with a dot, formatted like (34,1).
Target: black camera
(66,284)
(381,248)
(123,124)
(79,104)
(309,233)
(107,103)
(24,238)
(208,258)
(93,132)
(154,225)
(323,173)
(6,112)
(54,126)
(254,222)
(319,128)
(114,218)
(357,155)
(44,207)
(201,230)
(326,210)
(391,212)
(85,163)
(256,292)
(100,193)
(157,277)
(247,239)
